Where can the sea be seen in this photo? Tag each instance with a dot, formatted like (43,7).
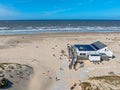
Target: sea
(57,26)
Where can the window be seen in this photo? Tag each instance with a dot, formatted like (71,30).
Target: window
(105,49)
(82,53)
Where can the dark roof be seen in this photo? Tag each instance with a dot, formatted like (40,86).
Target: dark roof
(92,47)
(98,45)
(84,47)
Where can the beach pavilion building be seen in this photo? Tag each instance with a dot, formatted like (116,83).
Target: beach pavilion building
(95,51)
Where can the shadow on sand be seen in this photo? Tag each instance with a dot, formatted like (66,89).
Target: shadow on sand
(5,84)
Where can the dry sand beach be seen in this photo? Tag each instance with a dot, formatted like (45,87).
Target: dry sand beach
(50,66)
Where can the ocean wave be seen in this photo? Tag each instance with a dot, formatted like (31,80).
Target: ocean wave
(4,28)
(31,29)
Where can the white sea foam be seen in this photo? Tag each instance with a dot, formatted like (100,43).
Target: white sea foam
(2,28)
(30,29)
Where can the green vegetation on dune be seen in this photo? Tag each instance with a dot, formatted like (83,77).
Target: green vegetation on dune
(111,78)
(10,72)
(89,86)
(102,83)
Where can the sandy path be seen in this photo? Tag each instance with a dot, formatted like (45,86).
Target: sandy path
(34,82)
(65,76)
(61,84)
(40,81)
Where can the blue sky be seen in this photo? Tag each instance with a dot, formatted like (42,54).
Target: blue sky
(59,9)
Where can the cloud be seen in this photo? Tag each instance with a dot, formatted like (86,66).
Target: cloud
(7,11)
(47,13)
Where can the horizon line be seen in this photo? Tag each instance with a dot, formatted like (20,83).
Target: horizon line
(60,19)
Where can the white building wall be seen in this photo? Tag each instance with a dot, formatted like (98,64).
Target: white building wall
(87,52)
(92,52)
(105,50)
(94,58)
(77,51)
(109,53)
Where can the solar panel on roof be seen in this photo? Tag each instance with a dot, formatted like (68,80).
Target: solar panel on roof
(93,47)
(98,45)
(85,47)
